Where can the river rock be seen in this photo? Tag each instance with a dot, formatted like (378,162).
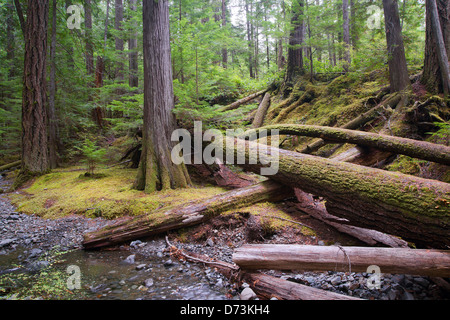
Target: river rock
(130,259)
(148,282)
(247,294)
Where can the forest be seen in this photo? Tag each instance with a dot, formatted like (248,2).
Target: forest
(242,149)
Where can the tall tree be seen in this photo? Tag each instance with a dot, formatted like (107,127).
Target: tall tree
(132,46)
(224,24)
(35,159)
(89,45)
(156,169)
(346,34)
(398,70)
(52,121)
(119,40)
(437,46)
(249,39)
(10,38)
(295,51)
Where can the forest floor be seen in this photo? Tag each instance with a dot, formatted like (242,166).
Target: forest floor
(31,243)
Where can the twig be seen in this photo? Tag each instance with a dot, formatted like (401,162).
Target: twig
(180,251)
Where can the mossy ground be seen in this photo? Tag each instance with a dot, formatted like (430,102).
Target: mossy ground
(108,195)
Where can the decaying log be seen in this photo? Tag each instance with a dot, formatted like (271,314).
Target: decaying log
(318,211)
(268,287)
(413,208)
(10,165)
(414,148)
(423,262)
(262,111)
(242,101)
(185,215)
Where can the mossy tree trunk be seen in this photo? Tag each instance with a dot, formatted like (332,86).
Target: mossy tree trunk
(413,148)
(414,208)
(35,156)
(156,170)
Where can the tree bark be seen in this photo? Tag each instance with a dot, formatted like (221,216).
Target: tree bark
(224,24)
(133,55)
(35,159)
(414,148)
(262,111)
(346,35)
(413,208)
(10,38)
(423,262)
(10,165)
(23,25)
(249,40)
(156,170)
(437,47)
(185,215)
(398,70)
(268,287)
(242,101)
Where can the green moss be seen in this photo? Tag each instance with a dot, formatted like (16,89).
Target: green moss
(61,193)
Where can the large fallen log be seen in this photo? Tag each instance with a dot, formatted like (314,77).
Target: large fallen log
(185,215)
(413,208)
(414,148)
(423,262)
(268,287)
(242,101)
(318,211)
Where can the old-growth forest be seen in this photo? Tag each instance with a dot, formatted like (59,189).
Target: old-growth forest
(224,150)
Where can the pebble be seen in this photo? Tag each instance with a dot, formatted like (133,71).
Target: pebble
(247,294)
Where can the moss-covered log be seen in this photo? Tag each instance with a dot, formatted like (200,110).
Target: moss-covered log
(414,148)
(413,208)
(262,111)
(242,101)
(10,165)
(185,215)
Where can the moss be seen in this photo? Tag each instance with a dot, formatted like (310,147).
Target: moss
(61,193)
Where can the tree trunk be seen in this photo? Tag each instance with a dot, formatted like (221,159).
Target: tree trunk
(423,262)
(224,24)
(185,215)
(295,51)
(23,25)
(10,38)
(398,70)
(133,55)
(346,35)
(413,208)
(119,41)
(52,118)
(437,46)
(89,45)
(414,148)
(262,110)
(35,159)
(10,165)
(268,287)
(242,101)
(156,170)
(249,40)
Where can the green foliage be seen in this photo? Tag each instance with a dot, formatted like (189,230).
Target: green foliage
(93,155)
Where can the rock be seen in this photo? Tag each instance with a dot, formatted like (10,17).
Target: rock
(38,265)
(130,259)
(148,282)
(168,263)
(135,244)
(35,253)
(335,280)
(422,281)
(407,296)
(210,242)
(320,243)
(159,254)
(6,242)
(247,294)
(141,266)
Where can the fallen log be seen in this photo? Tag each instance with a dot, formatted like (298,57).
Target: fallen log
(423,262)
(10,165)
(354,124)
(413,208)
(184,215)
(318,211)
(414,148)
(268,287)
(262,111)
(242,101)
